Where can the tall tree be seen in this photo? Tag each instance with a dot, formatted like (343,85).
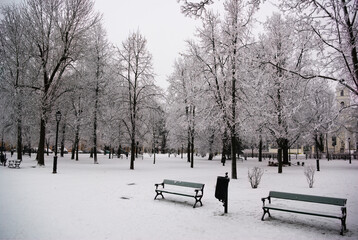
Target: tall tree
(56,29)
(221,54)
(97,61)
(136,75)
(15,65)
(287,94)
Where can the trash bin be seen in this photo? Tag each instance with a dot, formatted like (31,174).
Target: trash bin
(222,184)
(221,190)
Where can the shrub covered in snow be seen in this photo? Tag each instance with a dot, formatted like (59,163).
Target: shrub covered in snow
(309,173)
(255,176)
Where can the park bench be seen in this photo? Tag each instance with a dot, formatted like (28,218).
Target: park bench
(339,214)
(14,163)
(180,188)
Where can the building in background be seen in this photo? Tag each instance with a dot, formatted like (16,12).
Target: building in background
(343,136)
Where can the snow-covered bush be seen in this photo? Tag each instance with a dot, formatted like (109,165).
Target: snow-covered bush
(255,176)
(309,173)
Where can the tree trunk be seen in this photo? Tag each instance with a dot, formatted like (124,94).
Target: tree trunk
(279,158)
(327,152)
(19,139)
(63,139)
(224,147)
(192,132)
(73,150)
(211,142)
(233,157)
(40,151)
(285,154)
(233,107)
(192,150)
(95,124)
(132,152)
(182,151)
(188,149)
(47,147)
(260,149)
(77,147)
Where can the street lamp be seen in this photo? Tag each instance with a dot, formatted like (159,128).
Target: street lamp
(349,150)
(58,119)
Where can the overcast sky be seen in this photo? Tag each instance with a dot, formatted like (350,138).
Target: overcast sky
(160,21)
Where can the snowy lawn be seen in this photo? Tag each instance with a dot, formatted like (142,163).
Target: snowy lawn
(109,201)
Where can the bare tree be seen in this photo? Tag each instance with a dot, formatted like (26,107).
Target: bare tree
(15,65)
(56,29)
(97,61)
(220,56)
(335,25)
(136,75)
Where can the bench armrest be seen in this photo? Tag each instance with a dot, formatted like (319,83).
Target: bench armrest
(158,184)
(344,211)
(198,190)
(263,200)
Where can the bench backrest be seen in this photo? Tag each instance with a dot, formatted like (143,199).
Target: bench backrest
(309,198)
(184,184)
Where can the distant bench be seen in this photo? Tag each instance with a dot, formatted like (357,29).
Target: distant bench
(14,163)
(307,198)
(179,188)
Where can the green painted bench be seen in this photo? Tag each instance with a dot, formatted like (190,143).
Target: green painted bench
(342,214)
(186,189)
(14,163)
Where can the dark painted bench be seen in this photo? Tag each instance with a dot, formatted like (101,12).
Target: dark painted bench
(342,214)
(14,163)
(180,188)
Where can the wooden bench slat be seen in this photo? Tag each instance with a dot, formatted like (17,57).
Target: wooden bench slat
(179,193)
(303,211)
(183,184)
(308,198)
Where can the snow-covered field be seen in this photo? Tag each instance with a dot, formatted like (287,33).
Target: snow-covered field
(109,201)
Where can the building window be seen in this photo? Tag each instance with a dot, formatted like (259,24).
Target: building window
(342,93)
(342,104)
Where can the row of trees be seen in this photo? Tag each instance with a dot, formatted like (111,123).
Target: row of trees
(274,87)
(55,56)
(230,88)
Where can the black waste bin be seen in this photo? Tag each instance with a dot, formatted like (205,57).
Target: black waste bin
(222,184)
(221,190)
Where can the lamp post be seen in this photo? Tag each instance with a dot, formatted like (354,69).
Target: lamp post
(349,150)
(58,119)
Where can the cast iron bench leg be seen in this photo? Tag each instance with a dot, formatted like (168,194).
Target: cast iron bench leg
(198,200)
(343,225)
(265,211)
(159,193)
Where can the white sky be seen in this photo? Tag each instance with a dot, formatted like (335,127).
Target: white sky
(162,24)
(160,21)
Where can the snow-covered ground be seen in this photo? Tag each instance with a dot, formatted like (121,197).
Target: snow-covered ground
(109,201)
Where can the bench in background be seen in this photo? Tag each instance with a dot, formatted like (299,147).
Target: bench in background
(14,163)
